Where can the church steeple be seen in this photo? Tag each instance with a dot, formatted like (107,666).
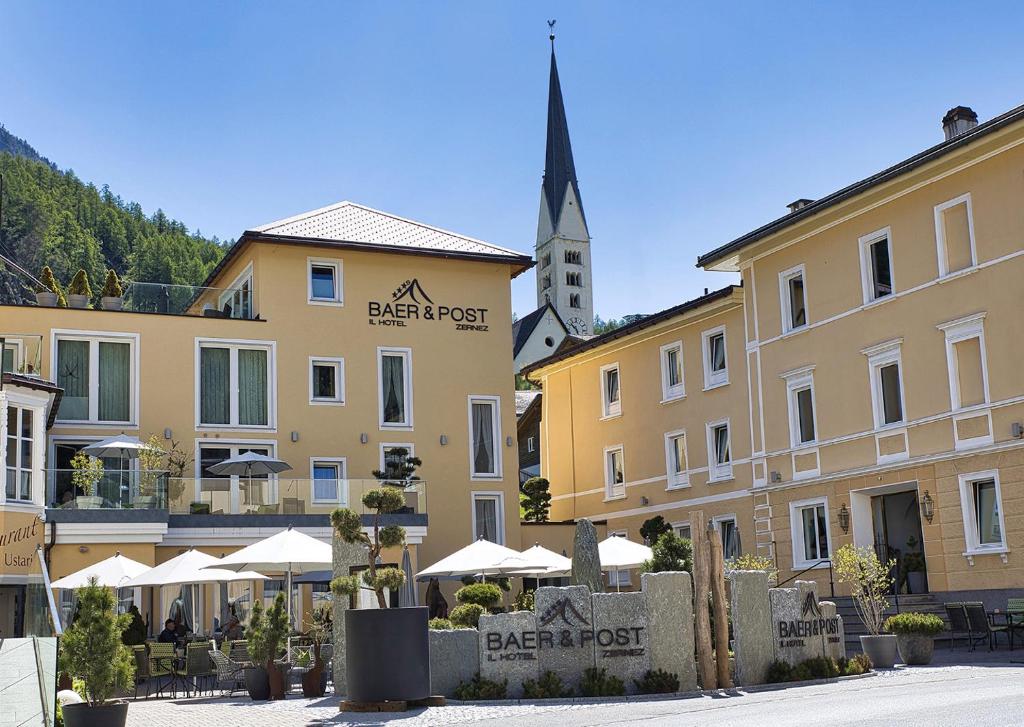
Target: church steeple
(563,240)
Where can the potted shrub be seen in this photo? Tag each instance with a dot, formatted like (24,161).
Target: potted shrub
(266,679)
(112,297)
(79,291)
(91,649)
(915,635)
(402,670)
(49,294)
(321,626)
(869,582)
(85,475)
(914,567)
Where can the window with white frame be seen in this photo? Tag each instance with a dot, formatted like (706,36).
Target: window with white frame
(802,418)
(20,422)
(876,265)
(682,530)
(394,376)
(236,301)
(489,517)
(719,451)
(235,384)
(810,532)
(324,278)
(982,506)
(611,391)
(726,525)
(326,380)
(794,300)
(965,360)
(716,366)
(954,235)
(328,479)
(672,371)
(531,445)
(885,367)
(675,459)
(618,578)
(614,472)
(485,437)
(11,357)
(98,375)
(394,460)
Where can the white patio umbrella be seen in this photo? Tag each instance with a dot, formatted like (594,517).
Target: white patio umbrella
(122,446)
(480,558)
(554,565)
(289,552)
(617,553)
(112,572)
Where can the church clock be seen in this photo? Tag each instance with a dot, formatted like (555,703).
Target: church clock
(577,325)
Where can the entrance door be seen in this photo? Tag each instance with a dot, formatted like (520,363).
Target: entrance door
(896,525)
(9,611)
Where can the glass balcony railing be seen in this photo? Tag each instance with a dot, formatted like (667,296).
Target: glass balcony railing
(22,353)
(113,489)
(189,300)
(280,496)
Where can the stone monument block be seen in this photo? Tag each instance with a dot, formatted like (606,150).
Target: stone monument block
(621,636)
(586,561)
(454,658)
(670,622)
(802,629)
(753,635)
(508,649)
(835,644)
(345,555)
(565,626)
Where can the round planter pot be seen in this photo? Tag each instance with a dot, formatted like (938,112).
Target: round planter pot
(880,649)
(78,301)
(314,683)
(915,649)
(46,299)
(257,683)
(113,714)
(88,502)
(387,654)
(110,303)
(916,582)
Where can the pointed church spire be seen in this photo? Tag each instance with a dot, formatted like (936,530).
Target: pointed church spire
(559,169)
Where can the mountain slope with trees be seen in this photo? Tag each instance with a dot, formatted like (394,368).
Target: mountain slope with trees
(51,217)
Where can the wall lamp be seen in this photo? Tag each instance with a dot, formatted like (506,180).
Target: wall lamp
(444,439)
(844,518)
(364,438)
(927,507)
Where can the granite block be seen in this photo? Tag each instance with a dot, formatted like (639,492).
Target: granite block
(508,649)
(621,636)
(753,637)
(454,658)
(586,561)
(670,620)
(565,620)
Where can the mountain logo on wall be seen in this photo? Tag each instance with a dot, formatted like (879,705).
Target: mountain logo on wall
(412,290)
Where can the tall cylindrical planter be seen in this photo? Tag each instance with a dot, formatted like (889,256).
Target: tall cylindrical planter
(880,649)
(257,683)
(387,654)
(915,649)
(113,714)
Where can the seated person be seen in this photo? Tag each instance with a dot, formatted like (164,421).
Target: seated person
(169,635)
(233,629)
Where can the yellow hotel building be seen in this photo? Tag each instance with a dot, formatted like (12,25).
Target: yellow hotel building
(873,393)
(329,340)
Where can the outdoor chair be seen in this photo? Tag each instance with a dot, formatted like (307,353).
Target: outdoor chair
(198,667)
(981,627)
(230,674)
(1015,617)
(141,667)
(239,651)
(957,617)
(161,666)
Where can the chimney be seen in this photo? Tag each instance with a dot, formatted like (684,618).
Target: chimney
(798,205)
(958,121)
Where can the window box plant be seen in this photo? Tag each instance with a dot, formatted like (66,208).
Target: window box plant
(91,649)
(266,678)
(915,635)
(401,670)
(870,582)
(79,290)
(112,297)
(49,294)
(86,474)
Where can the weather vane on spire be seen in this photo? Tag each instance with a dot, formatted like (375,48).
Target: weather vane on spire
(551,28)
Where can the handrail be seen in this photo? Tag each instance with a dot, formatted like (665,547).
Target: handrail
(813,566)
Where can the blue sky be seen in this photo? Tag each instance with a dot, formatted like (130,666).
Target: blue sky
(691,124)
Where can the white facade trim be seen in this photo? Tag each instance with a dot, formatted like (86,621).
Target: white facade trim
(940,234)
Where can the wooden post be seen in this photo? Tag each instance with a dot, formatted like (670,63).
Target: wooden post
(718,604)
(701,586)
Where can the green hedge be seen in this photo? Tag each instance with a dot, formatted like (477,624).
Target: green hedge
(920,624)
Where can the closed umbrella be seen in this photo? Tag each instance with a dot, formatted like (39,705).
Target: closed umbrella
(407,596)
(617,553)
(122,446)
(480,558)
(113,572)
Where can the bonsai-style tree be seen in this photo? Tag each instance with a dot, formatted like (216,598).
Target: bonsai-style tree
(536,500)
(869,582)
(670,553)
(267,630)
(112,286)
(86,472)
(80,284)
(349,527)
(653,528)
(91,648)
(399,468)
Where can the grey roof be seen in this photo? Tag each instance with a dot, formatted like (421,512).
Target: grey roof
(559,168)
(523,328)
(905,166)
(524,399)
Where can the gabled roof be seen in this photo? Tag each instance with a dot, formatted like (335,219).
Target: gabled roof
(524,327)
(355,226)
(907,165)
(524,400)
(559,168)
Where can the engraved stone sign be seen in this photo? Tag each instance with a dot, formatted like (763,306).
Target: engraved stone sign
(621,638)
(508,649)
(802,629)
(565,631)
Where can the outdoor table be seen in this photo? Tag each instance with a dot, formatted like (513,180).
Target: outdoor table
(175,677)
(1012,619)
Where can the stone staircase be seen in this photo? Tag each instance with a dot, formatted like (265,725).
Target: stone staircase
(854,628)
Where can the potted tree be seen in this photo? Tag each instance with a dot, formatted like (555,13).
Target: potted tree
(265,679)
(915,635)
(91,649)
(914,566)
(79,290)
(112,297)
(870,583)
(86,472)
(400,672)
(321,626)
(49,293)
(151,472)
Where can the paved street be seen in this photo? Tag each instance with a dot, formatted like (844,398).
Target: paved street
(979,696)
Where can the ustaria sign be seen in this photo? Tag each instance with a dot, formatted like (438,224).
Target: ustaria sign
(410,302)
(20,534)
